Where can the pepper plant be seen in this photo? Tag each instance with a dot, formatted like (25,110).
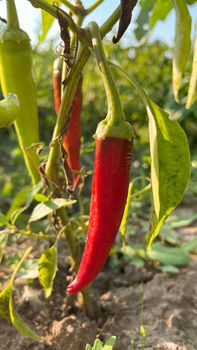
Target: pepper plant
(57,178)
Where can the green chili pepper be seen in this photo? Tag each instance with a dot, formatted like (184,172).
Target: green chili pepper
(16,77)
(9,108)
(182,44)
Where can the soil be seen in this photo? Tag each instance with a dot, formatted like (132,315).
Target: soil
(165,306)
(126,302)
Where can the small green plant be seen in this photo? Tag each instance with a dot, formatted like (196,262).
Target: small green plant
(99,345)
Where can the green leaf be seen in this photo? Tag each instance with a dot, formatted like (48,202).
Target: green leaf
(47,267)
(24,197)
(4,301)
(46,208)
(170,161)
(182,44)
(7,307)
(98,345)
(123,226)
(88,347)
(143,18)
(3,220)
(160,11)
(170,166)
(40,197)
(3,241)
(21,326)
(189,246)
(18,201)
(192,92)
(168,256)
(170,269)
(47,20)
(110,343)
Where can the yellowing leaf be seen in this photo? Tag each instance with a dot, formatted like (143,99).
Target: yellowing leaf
(182,44)
(47,267)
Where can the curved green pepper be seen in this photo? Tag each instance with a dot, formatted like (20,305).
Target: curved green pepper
(9,108)
(16,76)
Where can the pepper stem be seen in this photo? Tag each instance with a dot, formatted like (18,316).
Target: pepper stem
(12,16)
(115,112)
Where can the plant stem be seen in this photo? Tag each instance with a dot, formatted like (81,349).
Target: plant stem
(62,119)
(12,17)
(84,53)
(115,112)
(72,243)
(72,7)
(53,11)
(54,153)
(109,23)
(93,6)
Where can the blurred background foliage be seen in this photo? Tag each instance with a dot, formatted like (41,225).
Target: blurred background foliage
(151,65)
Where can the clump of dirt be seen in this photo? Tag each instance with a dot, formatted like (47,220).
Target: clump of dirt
(163,306)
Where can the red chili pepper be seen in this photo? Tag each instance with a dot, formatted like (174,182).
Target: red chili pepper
(57,79)
(109,194)
(111,177)
(71,140)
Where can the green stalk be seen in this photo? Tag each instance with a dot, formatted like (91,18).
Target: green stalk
(93,6)
(54,154)
(115,112)
(114,125)
(12,17)
(71,7)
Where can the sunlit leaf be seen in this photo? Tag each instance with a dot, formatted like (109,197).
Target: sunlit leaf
(98,345)
(123,226)
(46,208)
(110,343)
(88,347)
(182,44)
(47,267)
(170,166)
(40,197)
(170,161)
(47,20)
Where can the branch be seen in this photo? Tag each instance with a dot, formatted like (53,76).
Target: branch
(53,11)
(93,6)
